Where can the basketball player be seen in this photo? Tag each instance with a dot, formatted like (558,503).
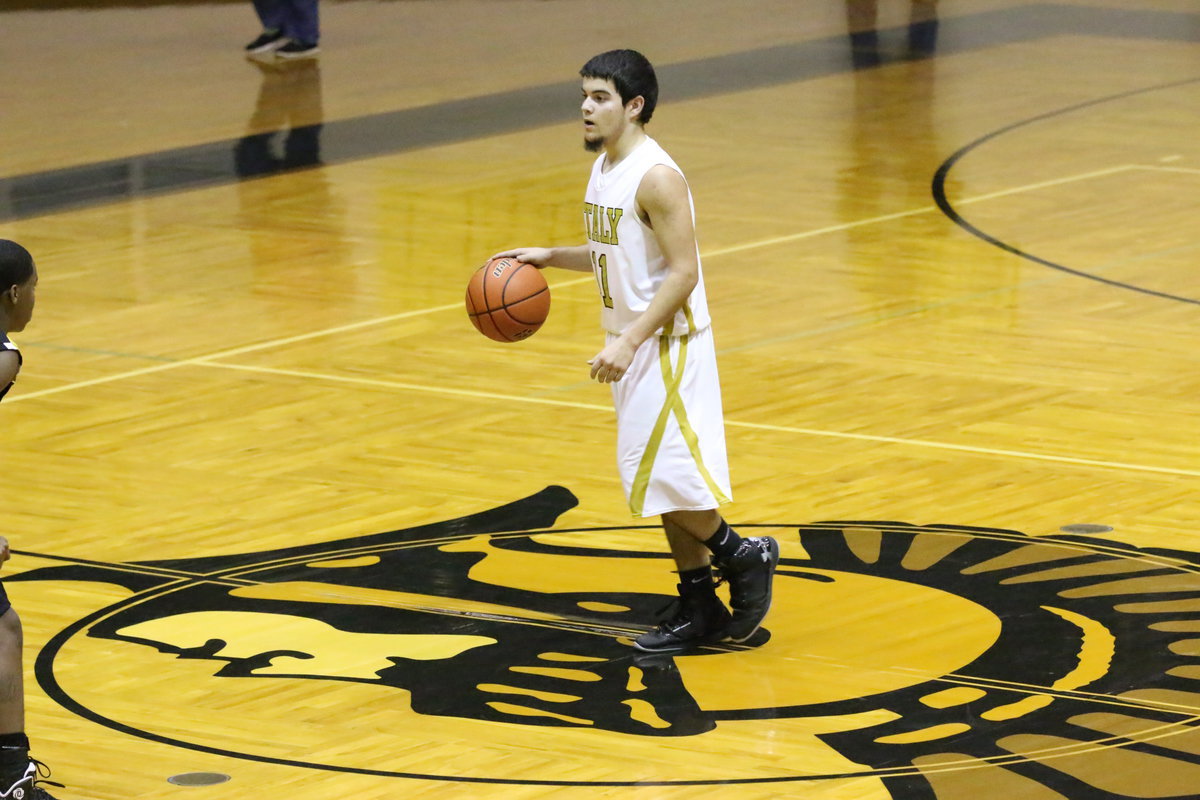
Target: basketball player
(18,772)
(659,356)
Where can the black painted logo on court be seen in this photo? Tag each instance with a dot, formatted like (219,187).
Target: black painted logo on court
(927,661)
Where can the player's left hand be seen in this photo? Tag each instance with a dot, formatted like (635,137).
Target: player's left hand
(611,363)
(5,555)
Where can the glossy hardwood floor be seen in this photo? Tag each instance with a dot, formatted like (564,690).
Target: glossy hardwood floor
(272,496)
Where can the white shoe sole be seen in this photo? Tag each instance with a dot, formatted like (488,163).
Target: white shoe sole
(293,56)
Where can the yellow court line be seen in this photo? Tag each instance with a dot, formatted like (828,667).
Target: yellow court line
(1190,713)
(1074,749)
(1157,168)
(416,387)
(865,437)
(795,237)
(966,448)
(1083,176)
(49,277)
(119,376)
(844,226)
(366,323)
(250,348)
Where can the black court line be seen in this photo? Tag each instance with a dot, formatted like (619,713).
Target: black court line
(938,189)
(374,135)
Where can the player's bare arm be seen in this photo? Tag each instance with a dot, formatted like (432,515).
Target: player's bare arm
(9,366)
(662,200)
(574,258)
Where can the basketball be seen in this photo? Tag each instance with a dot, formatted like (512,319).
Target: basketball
(507,300)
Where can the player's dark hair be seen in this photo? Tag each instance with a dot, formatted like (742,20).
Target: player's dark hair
(631,73)
(16,265)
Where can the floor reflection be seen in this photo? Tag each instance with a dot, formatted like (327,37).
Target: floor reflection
(284,131)
(869,49)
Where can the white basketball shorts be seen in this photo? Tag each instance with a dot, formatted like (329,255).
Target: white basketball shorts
(671,428)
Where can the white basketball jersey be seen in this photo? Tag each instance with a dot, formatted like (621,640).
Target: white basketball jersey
(626,260)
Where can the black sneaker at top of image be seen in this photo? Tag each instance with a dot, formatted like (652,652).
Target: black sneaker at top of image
(267,41)
(700,618)
(298,49)
(750,573)
(25,784)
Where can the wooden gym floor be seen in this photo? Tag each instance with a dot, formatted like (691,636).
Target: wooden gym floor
(282,516)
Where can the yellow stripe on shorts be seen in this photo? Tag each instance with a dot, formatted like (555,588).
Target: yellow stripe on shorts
(673,404)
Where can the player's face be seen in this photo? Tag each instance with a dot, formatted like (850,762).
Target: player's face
(23,303)
(604,116)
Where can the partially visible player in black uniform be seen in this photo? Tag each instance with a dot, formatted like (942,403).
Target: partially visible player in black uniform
(18,280)
(18,772)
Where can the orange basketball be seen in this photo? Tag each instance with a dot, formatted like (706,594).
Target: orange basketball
(508,300)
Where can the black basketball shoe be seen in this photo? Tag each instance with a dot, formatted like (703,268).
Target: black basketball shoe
(17,783)
(267,41)
(750,573)
(700,618)
(297,49)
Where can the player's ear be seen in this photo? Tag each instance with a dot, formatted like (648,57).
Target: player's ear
(635,106)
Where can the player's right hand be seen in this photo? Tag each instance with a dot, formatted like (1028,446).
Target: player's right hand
(534,256)
(5,555)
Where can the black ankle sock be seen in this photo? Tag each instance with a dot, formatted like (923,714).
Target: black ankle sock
(14,753)
(724,543)
(14,741)
(696,581)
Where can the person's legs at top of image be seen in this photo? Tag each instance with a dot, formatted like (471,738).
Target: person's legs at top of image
(273,16)
(303,29)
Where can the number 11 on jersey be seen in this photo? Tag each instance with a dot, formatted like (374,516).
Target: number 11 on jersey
(600,268)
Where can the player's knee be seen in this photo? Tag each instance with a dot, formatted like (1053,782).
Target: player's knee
(698,524)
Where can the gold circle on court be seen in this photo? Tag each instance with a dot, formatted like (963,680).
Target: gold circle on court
(315,686)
